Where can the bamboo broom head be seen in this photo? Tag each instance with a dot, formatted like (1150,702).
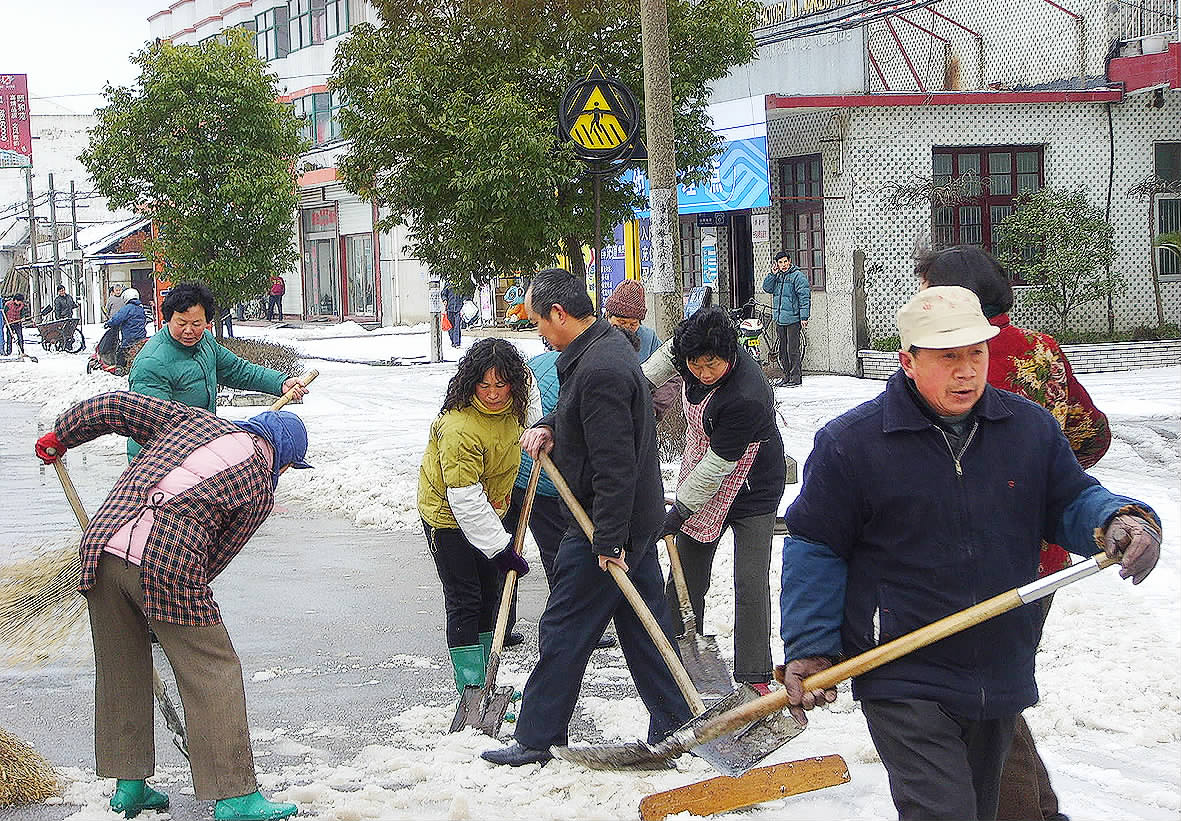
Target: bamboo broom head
(25,777)
(41,610)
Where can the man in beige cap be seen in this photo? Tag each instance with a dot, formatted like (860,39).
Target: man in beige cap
(930,498)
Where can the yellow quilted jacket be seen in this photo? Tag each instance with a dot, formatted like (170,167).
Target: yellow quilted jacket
(467,446)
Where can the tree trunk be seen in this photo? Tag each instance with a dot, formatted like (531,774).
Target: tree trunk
(573,248)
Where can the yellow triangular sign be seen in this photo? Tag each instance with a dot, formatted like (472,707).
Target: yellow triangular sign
(599,125)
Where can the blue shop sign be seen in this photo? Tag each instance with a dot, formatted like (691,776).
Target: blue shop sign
(738,181)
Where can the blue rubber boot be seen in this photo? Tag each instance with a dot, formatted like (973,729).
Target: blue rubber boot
(133,796)
(252,807)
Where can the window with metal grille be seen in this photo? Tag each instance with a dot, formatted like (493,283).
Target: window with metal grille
(690,253)
(272,39)
(308,21)
(801,186)
(1167,163)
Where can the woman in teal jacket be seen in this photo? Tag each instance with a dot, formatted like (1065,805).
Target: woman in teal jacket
(185,363)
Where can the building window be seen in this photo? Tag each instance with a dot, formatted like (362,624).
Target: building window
(997,175)
(690,253)
(1167,163)
(321,117)
(339,19)
(272,39)
(308,21)
(802,215)
(362,283)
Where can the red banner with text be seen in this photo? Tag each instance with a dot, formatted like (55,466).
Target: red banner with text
(16,138)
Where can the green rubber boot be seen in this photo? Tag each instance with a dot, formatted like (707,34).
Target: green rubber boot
(133,796)
(252,807)
(486,643)
(468,663)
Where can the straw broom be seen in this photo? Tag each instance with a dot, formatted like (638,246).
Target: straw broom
(41,610)
(25,777)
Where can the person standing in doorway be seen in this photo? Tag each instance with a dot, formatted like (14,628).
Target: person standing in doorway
(791,301)
(115,300)
(275,300)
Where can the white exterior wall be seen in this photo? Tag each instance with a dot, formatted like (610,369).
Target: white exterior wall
(191,21)
(887,144)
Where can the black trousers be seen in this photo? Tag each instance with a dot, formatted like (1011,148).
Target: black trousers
(789,353)
(274,304)
(582,601)
(471,585)
(13,329)
(940,766)
(547,524)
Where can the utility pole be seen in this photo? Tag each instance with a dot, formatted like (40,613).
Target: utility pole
(57,262)
(662,166)
(34,271)
(75,257)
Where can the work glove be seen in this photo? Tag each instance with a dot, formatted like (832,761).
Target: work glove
(672,522)
(1136,541)
(49,448)
(792,675)
(509,559)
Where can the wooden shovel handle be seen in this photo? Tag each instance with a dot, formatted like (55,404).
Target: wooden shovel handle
(674,563)
(684,683)
(304,380)
(63,476)
(510,578)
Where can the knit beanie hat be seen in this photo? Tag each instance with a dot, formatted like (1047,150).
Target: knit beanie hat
(627,301)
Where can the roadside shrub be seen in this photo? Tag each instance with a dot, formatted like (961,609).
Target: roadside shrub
(889,344)
(282,358)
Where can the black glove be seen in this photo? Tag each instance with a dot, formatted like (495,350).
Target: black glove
(1136,541)
(672,521)
(509,559)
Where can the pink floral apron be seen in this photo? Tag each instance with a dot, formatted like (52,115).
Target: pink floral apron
(706,524)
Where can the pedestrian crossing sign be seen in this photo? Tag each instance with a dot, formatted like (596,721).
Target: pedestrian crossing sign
(598,116)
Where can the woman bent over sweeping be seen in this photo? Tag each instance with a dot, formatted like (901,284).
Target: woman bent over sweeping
(177,516)
(465,487)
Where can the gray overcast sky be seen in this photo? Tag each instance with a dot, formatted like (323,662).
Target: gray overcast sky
(73,47)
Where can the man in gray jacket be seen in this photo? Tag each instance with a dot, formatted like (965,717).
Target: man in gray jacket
(792,304)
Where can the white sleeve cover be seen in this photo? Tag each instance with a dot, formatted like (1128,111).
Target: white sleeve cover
(704,480)
(478,521)
(660,368)
(535,412)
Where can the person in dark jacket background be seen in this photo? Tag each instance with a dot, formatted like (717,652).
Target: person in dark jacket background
(63,306)
(732,476)
(132,322)
(453,307)
(930,498)
(791,303)
(603,436)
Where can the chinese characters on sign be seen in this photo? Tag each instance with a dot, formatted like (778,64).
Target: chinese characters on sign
(16,138)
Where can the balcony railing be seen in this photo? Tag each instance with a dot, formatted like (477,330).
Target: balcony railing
(1143,18)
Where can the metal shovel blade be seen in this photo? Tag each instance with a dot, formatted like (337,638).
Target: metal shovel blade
(732,753)
(703,662)
(482,708)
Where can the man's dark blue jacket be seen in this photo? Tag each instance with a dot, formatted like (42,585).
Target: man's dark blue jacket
(887,537)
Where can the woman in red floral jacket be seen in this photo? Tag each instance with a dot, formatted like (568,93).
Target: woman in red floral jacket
(1031,364)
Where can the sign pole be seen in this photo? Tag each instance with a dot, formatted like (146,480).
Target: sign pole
(34,271)
(595,296)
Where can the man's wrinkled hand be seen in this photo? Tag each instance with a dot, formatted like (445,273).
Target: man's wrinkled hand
(538,440)
(792,675)
(620,561)
(1135,541)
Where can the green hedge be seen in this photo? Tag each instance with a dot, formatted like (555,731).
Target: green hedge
(282,358)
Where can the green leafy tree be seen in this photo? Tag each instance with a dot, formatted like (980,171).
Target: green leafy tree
(202,143)
(453,112)
(1061,244)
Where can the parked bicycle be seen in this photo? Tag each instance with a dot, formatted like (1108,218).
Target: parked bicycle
(756,330)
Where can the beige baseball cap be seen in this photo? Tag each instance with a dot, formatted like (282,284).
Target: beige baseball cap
(944,316)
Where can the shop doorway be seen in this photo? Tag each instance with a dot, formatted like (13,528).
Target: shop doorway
(360,293)
(742,259)
(321,280)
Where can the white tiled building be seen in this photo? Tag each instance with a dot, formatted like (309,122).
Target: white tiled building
(1020,94)
(348,270)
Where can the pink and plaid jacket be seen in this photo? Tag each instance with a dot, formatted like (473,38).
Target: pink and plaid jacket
(196,533)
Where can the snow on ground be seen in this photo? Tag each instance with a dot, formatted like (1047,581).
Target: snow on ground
(1107,725)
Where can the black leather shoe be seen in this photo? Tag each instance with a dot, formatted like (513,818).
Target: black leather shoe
(517,756)
(605,642)
(513,639)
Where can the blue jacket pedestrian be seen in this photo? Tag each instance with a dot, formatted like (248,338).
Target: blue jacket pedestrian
(791,294)
(131,320)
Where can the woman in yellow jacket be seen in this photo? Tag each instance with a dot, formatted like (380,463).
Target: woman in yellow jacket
(465,486)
